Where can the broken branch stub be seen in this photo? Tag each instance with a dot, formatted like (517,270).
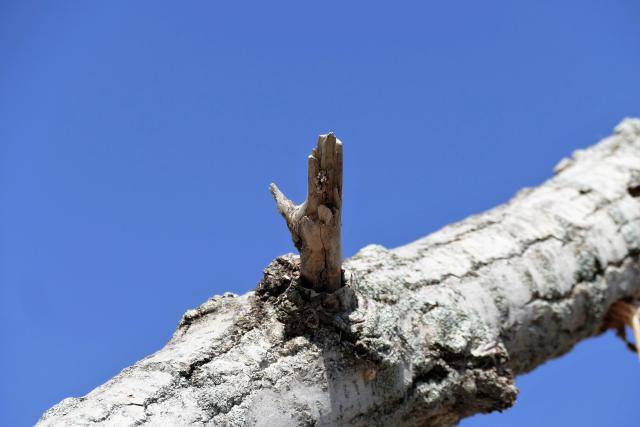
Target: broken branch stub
(625,313)
(315,224)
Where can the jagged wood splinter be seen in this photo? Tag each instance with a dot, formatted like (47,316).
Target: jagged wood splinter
(315,224)
(625,313)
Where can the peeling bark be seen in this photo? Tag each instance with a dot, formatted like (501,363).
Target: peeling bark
(421,335)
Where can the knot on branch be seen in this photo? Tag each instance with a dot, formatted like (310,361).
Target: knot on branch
(634,184)
(303,311)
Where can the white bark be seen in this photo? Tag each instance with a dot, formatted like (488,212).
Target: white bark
(424,334)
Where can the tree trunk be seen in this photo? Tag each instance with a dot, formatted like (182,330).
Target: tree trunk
(421,335)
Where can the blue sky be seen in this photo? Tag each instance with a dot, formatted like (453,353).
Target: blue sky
(138,139)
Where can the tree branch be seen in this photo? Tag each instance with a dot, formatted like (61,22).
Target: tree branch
(424,334)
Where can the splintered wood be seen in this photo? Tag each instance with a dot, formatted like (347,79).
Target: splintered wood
(315,224)
(622,314)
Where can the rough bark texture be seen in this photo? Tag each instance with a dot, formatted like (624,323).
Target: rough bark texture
(421,335)
(315,224)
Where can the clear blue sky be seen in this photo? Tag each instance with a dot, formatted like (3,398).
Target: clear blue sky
(138,138)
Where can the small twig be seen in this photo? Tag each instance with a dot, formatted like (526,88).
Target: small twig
(315,224)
